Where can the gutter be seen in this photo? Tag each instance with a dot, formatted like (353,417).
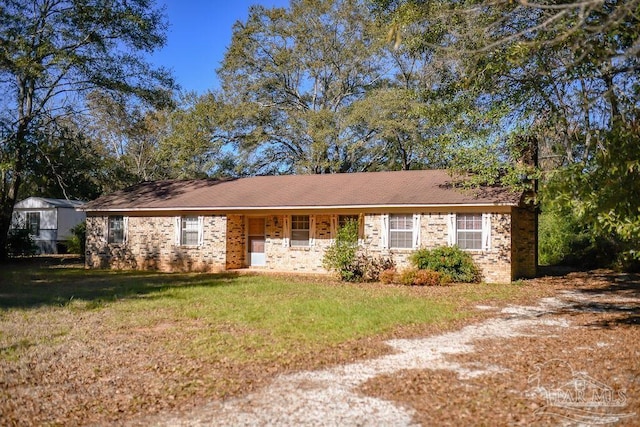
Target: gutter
(297,208)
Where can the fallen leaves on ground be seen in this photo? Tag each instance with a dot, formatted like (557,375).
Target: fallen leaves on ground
(585,373)
(99,376)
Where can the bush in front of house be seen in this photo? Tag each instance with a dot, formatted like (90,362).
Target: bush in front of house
(352,265)
(428,278)
(76,244)
(372,266)
(20,243)
(341,255)
(389,276)
(365,268)
(413,277)
(450,261)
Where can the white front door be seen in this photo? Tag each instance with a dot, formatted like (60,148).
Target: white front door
(256,242)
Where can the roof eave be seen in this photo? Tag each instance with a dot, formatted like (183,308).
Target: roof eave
(291,208)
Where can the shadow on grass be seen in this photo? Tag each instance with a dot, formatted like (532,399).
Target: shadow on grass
(53,281)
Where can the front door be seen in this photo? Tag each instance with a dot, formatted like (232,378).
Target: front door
(255,242)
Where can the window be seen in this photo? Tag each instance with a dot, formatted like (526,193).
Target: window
(300,230)
(343,219)
(189,231)
(401,231)
(469,231)
(33,223)
(116,229)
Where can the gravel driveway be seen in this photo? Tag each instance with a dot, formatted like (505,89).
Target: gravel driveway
(334,397)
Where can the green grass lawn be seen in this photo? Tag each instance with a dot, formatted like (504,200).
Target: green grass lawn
(200,334)
(238,316)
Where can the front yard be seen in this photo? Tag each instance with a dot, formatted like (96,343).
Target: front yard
(80,347)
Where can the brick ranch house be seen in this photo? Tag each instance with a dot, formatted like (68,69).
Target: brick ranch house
(285,223)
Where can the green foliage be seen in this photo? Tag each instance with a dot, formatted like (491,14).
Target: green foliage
(407,276)
(65,49)
(341,255)
(352,265)
(559,233)
(450,261)
(77,243)
(555,93)
(567,238)
(312,88)
(20,242)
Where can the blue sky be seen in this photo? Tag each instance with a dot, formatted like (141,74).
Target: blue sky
(198,36)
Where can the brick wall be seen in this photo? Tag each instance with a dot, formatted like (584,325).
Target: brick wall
(525,243)
(151,245)
(296,259)
(494,264)
(235,242)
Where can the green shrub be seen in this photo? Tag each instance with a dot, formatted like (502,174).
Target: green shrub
(450,261)
(20,242)
(567,237)
(341,255)
(76,244)
(563,239)
(407,276)
(350,264)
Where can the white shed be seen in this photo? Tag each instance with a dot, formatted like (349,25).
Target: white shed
(50,220)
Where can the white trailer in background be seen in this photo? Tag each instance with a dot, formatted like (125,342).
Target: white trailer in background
(49,220)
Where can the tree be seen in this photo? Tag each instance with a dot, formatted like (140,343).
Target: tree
(54,52)
(288,79)
(196,144)
(563,76)
(64,163)
(130,135)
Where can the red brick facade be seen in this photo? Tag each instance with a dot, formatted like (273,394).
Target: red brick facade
(152,242)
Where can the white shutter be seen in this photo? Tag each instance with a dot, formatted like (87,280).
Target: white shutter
(286,230)
(361,219)
(334,227)
(384,231)
(486,231)
(451,229)
(200,230)
(416,231)
(105,234)
(177,224)
(312,230)
(125,231)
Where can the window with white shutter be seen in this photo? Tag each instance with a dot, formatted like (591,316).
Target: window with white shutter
(401,231)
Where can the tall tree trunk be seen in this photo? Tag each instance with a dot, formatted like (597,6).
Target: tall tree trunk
(11,191)
(6,214)
(612,98)
(12,188)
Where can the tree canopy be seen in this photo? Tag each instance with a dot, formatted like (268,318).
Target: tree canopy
(562,75)
(53,53)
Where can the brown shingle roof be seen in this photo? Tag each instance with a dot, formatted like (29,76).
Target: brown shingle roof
(366,189)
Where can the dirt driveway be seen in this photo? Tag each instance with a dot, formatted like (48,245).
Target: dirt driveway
(569,359)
